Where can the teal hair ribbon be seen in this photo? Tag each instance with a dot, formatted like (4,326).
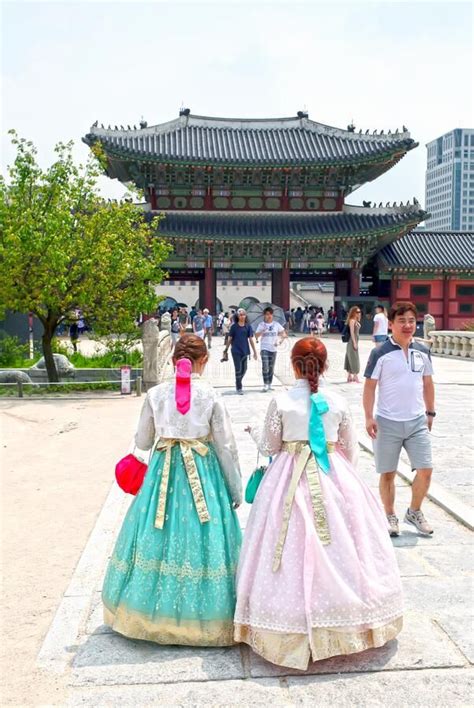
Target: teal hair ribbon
(317,436)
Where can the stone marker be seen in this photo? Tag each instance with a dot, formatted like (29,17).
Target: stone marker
(13,376)
(63,366)
(150,339)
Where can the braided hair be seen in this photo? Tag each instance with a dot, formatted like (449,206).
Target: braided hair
(309,357)
(189,346)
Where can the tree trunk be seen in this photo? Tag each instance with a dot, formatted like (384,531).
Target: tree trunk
(50,364)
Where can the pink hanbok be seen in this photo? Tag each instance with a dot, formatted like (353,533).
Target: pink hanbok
(317,575)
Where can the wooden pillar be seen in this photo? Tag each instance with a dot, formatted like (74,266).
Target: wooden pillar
(281,287)
(446,302)
(340,288)
(207,290)
(354,282)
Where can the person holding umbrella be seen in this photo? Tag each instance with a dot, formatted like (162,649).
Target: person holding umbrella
(272,333)
(240,339)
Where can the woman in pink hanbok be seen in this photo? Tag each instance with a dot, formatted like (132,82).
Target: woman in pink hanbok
(317,575)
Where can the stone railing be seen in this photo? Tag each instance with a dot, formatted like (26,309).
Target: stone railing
(452,343)
(156,354)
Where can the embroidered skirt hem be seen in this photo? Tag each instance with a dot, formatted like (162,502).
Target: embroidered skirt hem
(295,651)
(168,630)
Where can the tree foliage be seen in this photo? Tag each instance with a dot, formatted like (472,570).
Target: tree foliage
(63,246)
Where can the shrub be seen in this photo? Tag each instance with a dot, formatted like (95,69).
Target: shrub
(12,351)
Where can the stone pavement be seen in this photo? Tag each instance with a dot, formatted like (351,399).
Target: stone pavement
(429,664)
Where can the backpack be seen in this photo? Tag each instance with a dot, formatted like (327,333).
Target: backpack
(346,333)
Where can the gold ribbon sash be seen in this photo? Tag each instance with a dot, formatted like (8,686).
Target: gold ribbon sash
(305,462)
(186,447)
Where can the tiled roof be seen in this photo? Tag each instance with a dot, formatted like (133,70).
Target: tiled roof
(430,250)
(199,225)
(283,141)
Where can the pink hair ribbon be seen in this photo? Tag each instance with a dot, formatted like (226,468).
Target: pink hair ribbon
(183,385)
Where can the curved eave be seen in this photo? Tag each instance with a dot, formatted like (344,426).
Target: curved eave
(376,236)
(393,156)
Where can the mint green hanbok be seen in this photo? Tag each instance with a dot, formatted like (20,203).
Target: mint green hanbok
(171,577)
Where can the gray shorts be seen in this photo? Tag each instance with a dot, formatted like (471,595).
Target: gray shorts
(392,435)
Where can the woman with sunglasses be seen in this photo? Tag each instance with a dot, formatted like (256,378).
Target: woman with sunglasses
(352,361)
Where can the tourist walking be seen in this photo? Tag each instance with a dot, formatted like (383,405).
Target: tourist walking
(271,334)
(175,328)
(320,323)
(240,339)
(198,324)
(317,574)
(208,326)
(184,321)
(171,577)
(380,330)
(298,319)
(220,320)
(306,320)
(74,335)
(352,360)
(226,325)
(402,371)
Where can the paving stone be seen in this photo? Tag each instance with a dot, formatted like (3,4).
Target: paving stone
(461,631)
(450,559)
(412,564)
(417,689)
(60,643)
(421,645)
(261,692)
(426,594)
(110,659)
(95,624)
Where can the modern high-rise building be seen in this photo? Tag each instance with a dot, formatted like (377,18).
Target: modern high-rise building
(450,181)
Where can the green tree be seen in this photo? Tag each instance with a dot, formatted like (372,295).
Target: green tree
(63,246)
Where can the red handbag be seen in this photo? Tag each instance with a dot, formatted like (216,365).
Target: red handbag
(130,473)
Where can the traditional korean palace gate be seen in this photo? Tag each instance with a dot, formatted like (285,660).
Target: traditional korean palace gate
(270,194)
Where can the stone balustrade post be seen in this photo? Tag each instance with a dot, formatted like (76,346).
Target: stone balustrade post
(465,346)
(447,349)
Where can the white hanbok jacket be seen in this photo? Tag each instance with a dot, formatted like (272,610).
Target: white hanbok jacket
(207,417)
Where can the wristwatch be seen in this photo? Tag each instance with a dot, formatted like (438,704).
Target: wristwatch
(432,414)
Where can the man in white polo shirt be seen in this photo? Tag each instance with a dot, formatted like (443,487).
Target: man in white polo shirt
(272,333)
(402,370)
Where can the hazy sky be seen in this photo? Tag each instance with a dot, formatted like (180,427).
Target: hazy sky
(381,64)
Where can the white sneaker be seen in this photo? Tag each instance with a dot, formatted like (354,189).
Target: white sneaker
(239,392)
(418,520)
(265,388)
(393,527)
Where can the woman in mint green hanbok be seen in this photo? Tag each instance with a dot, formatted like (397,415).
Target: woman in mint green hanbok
(171,577)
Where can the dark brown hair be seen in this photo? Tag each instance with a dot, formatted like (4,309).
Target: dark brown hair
(189,346)
(309,357)
(400,308)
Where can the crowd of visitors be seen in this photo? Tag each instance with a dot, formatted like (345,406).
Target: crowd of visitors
(316,575)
